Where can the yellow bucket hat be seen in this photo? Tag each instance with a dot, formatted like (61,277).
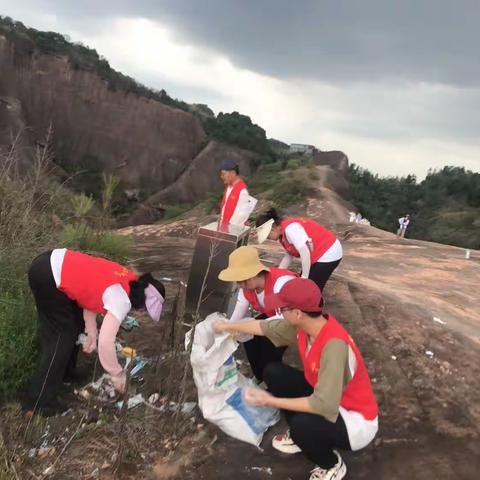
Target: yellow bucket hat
(243,263)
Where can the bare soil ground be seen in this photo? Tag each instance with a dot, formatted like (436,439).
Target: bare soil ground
(387,293)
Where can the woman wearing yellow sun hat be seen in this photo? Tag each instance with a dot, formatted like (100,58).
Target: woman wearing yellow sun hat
(255,281)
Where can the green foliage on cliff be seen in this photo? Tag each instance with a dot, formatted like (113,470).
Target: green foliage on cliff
(237,129)
(445,207)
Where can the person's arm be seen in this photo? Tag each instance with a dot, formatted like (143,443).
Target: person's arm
(241,308)
(90,319)
(286,261)
(333,376)
(107,352)
(261,398)
(306,260)
(251,327)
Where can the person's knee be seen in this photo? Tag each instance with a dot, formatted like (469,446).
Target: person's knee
(299,424)
(273,373)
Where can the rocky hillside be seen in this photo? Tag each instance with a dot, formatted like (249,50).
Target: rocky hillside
(164,151)
(145,142)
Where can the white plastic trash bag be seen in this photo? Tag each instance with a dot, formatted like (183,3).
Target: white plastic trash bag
(220,385)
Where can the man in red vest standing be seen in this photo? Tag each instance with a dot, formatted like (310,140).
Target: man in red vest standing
(328,406)
(235,195)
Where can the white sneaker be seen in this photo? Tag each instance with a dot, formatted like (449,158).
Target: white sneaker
(284,443)
(337,472)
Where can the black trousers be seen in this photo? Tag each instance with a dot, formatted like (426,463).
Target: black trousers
(320,272)
(315,435)
(60,320)
(261,351)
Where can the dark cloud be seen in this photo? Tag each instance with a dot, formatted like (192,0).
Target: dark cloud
(434,41)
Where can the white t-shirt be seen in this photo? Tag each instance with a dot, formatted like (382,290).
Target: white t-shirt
(114,298)
(297,236)
(360,430)
(403,222)
(243,199)
(242,305)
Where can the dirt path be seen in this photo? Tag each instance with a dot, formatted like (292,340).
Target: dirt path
(387,293)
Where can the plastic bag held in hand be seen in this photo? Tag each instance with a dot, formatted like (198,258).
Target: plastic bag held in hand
(220,385)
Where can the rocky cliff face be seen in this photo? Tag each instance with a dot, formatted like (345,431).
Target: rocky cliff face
(147,144)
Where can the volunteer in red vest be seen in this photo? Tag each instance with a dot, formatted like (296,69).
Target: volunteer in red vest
(328,406)
(319,250)
(70,289)
(235,194)
(255,281)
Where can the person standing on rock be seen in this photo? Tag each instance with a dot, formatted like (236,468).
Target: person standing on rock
(235,196)
(403,223)
(256,281)
(328,406)
(70,289)
(319,250)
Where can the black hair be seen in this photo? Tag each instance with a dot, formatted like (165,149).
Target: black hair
(236,170)
(268,215)
(137,289)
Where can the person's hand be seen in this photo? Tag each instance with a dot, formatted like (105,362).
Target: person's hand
(119,382)
(90,343)
(257,397)
(219,326)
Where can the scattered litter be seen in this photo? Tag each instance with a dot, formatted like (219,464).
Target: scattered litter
(467,254)
(394,357)
(167,279)
(95,473)
(102,388)
(81,340)
(129,323)
(441,322)
(267,470)
(429,353)
(132,401)
(153,398)
(49,470)
(45,452)
(188,407)
(139,364)
(128,352)
(32,453)
(183,284)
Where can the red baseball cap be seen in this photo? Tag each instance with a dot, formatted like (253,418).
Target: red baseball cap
(300,293)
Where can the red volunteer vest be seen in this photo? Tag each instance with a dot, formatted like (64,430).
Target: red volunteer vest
(358,394)
(84,279)
(229,205)
(270,278)
(322,239)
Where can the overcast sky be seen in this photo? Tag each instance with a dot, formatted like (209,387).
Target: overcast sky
(395,84)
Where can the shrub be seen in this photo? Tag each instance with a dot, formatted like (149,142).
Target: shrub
(175,211)
(32,207)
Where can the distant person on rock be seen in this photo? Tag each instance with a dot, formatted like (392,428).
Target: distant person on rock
(403,223)
(235,196)
(70,290)
(328,406)
(319,250)
(256,281)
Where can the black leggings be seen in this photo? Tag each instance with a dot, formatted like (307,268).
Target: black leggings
(60,321)
(316,436)
(320,272)
(261,351)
